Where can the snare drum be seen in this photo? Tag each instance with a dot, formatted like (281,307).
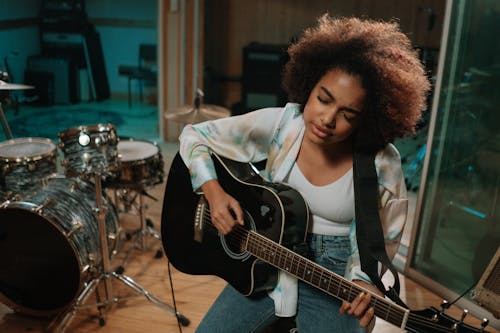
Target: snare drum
(24,162)
(89,150)
(141,164)
(50,244)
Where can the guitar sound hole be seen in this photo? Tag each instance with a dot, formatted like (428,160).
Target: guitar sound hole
(234,242)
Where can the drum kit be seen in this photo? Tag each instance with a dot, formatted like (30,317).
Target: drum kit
(58,232)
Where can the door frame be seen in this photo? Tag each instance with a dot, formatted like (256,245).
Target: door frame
(180,40)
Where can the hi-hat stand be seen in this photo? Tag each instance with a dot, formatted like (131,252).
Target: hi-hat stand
(105,275)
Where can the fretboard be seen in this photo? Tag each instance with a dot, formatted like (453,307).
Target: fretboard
(319,277)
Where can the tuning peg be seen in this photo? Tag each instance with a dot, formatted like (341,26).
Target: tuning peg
(444,305)
(484,324)
(464,314)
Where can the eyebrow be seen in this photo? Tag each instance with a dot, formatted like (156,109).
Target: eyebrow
(348,109)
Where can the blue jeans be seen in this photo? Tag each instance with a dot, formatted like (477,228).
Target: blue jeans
(317,312)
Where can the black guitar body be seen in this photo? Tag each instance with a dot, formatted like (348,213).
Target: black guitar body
(266,206)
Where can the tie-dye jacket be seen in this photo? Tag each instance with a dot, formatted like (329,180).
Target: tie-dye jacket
(275,134)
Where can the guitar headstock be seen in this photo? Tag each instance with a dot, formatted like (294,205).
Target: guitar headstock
(433,320)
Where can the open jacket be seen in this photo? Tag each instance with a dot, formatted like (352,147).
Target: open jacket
(276,134)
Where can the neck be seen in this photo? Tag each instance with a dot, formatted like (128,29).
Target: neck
(331,154)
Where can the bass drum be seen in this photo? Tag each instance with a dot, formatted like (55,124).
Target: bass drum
(50,245)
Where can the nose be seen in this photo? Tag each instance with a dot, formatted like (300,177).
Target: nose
(329,118)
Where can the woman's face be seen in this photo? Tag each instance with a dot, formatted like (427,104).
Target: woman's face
(333,110)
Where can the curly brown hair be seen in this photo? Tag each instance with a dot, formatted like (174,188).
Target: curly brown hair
(390,70)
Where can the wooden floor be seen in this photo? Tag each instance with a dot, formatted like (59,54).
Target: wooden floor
(193,294)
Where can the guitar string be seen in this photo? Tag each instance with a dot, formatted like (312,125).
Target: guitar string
(398,318)
(317,276)
(242,235)
(240,231)
(416,318)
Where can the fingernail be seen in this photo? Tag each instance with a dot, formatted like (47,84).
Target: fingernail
(361,294)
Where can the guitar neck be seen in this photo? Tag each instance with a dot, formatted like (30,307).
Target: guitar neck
(320,277)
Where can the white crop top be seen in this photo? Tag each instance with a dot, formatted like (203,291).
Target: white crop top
(331,205)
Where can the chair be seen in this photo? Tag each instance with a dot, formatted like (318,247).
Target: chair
(144,72)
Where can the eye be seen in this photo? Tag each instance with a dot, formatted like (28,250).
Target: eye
(322,101)
(348,116)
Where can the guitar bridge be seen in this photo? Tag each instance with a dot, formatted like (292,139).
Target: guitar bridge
(201,210)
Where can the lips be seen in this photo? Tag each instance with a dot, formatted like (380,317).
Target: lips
(320,132)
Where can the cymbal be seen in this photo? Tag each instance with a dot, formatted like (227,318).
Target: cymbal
(13,86)
(191,115)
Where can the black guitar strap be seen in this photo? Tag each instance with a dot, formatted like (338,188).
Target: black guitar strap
(369,232)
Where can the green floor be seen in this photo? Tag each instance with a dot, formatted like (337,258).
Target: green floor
(140,121)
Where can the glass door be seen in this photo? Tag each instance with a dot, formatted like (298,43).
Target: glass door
(458,212)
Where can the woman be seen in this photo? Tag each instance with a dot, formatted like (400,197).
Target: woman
(355,85)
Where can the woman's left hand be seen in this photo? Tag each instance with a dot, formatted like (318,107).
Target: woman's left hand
(359,307)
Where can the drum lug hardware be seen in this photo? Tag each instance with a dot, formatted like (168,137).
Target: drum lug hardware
(85,268)
(49,202)
(73,187)
(97,211)
(104,139)
(38,209)
(92,259)
(31,166)
(77,225)
(13,197)
(86,158)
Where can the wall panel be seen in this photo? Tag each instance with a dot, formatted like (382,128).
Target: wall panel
(232,24)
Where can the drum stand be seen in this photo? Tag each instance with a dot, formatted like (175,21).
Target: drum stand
(128,197)
(106,275)
(5,124)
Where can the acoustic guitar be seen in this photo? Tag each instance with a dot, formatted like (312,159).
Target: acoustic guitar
(275,226)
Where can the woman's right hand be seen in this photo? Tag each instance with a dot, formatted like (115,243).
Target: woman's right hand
(225,210)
